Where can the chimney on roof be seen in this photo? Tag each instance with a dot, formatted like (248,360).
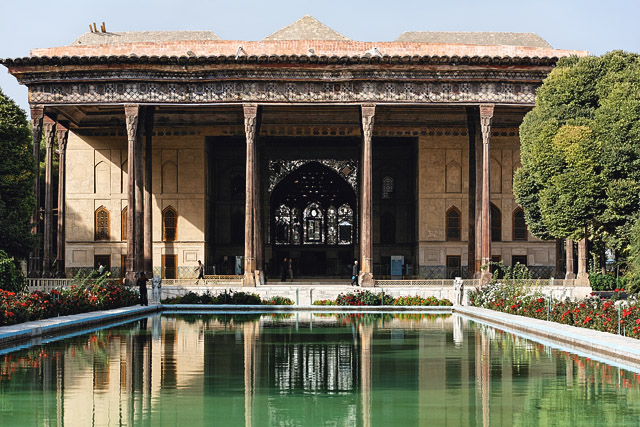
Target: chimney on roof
(103,27)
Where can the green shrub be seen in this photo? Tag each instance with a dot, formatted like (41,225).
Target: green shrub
(278,300)
(11,277)
(603,282)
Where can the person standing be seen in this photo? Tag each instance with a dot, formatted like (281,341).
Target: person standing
(200,270)
(291,269)
(354,273)
(283,272)
(142,286)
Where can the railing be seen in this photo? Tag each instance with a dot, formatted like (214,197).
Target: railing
(415,282)
(207,281)
(47,285)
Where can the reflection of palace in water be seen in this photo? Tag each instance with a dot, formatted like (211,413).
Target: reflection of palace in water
(302,369)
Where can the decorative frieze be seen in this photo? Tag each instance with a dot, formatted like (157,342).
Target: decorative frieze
(284,92)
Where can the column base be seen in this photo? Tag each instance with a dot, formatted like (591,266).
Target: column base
(248,280)
(259,277)
(130,278)
(366,280)
(582,279)
(569,276)
(485,277)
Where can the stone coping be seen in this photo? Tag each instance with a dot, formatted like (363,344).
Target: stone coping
(55,325)
(220,308)
(610,348)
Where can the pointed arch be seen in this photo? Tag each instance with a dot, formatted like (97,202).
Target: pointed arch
(496,176)
(101,178)
(453,177)
(388,187)
(519,225)
(169,224)
(496,224)
(169,177)
(102,223)
(454,224)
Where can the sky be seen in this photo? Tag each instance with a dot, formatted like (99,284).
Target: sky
(596,26)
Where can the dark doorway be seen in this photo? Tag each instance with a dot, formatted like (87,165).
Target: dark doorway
(313,215)
(104,260)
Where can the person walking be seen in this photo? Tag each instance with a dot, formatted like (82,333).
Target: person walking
(354,273)
(200,270)
(290,269)
(142,286)
(284,270)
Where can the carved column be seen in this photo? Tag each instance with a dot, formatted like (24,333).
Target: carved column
(37,114)
(148,191)
(471,246)
(486,115)
(62,133)
(582,261)
(131,112)
(569,251)
(366,238)
(250,124)
(49,134)
(139,168)
(257,213)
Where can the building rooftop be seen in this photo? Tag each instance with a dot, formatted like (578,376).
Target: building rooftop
(306,28)
(474,38)
(142,37)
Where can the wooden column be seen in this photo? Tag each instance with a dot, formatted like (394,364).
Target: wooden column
(366,238)
(486,115)
(148,191)
(63,134)
(257,212)
(250,124)
(47,229)
(131,112)
(569,251)
(37,114)
(139,168)
(472,123)
(582,261)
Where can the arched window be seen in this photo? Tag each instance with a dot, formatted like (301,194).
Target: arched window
(332,225)
(238,187)
(283,225)
(123,221)
(519,225)
(102,223)
(388,187)
(313,224)
(496,224)
(387,228)
(345,225)
(169,223)
(296,234)
(453,224)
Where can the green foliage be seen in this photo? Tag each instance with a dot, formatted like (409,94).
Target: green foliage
(277,300)
(633,275)
(11,277)
(227,297)
(580,151)
(606,282)
(16,180)
(368,298)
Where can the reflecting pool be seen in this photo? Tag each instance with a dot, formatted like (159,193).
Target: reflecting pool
(312,370)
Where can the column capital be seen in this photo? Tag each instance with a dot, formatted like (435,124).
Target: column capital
(37,112)
(250,121)
(49,129)
(62,133)
(486,115)
(131,113)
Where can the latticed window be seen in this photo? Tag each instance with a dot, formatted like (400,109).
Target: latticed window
(123,230)
(332,225)
(283,225)
(169,222)
(296,235)
(388,187)
(496,224)
(453,224)
(345,225)
(313,224)
(102,223)
(519,225)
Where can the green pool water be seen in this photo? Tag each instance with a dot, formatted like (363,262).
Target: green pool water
(303,369)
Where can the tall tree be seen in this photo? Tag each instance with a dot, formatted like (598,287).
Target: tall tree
(16,180)
(580,149)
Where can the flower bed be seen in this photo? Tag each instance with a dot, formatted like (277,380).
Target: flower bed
(593,312)
(228,297)
(368,298)
(18,308)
